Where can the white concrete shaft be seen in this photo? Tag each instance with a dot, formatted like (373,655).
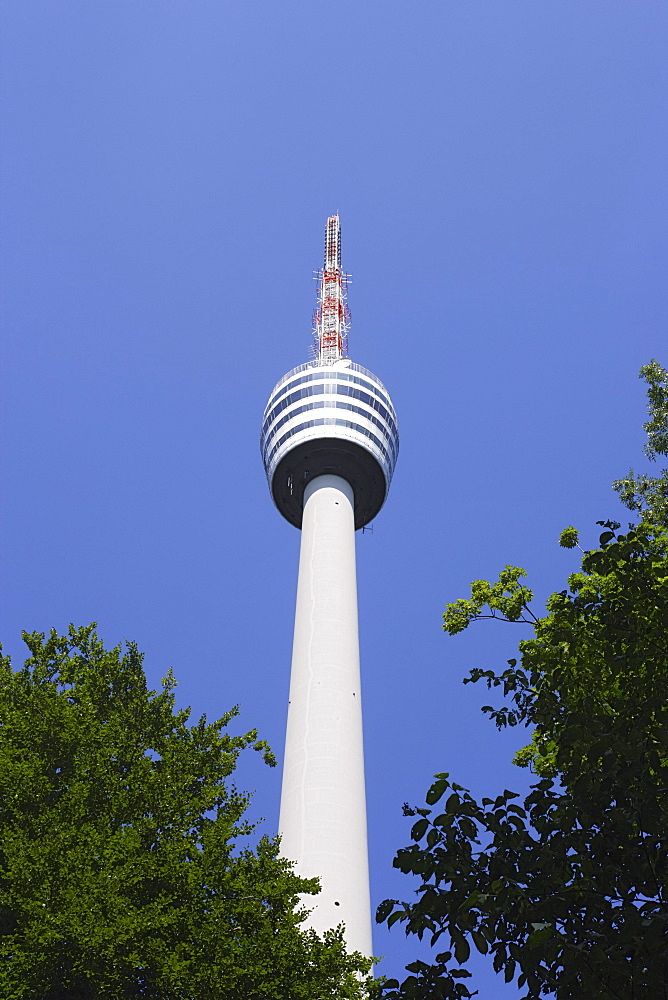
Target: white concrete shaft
(323,805)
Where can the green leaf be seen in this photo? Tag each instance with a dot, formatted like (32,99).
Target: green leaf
(461,947)
(433,838)
(436,791)
(385,909)
(419,829)
(480,942)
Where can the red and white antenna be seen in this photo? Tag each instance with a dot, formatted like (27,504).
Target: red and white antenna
(331,319)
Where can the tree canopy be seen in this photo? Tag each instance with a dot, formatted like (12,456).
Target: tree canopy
(566,891)
(125,865)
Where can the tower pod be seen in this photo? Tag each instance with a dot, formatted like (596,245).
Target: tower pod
(335,419)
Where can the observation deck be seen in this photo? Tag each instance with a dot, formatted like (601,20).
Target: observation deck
(333,419)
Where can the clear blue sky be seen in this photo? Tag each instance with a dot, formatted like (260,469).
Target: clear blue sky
(500,169)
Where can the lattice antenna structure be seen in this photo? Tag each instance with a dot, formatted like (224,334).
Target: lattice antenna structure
(331,319)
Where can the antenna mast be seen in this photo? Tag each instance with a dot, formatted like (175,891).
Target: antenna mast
(331,319)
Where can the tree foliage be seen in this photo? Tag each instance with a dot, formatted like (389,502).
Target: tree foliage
(566,891)
(642,492)
(125,866)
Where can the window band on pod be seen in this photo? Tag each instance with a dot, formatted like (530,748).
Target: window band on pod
(325,389)
(330,421)
(335,376)
(392,440)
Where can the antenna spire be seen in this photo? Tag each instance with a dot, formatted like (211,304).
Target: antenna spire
(331,319)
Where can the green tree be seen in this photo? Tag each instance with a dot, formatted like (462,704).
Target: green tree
(568,891)
(125,868)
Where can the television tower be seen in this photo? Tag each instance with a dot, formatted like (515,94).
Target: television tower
(329,444)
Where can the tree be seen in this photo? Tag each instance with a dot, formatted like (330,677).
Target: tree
(568,891)
(125,869)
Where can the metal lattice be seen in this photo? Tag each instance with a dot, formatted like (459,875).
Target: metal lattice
(331,319)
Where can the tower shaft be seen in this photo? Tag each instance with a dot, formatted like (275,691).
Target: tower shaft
(323,806)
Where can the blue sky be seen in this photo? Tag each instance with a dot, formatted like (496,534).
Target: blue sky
(168,166)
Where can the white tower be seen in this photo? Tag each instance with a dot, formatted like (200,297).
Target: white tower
(329,445)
